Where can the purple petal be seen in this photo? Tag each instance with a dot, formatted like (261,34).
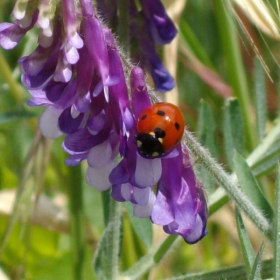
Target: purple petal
(140,95)
(174,201)
(161,77)
(120,174)
(161,26)
(121,192)
(67,123)
(10,35)
(93,33)
(76,159)
(54,90)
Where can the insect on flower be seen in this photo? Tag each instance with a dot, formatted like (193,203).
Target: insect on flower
(160,128)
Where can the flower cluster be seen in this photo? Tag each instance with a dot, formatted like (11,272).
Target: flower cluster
(76,71)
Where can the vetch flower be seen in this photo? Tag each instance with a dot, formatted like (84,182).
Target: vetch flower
(161,26)
(77,73)
(178,202)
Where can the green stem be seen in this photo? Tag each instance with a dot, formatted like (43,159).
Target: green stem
(229,184)
(7,75)
(235,67)
(277,229)
(76,220)
(164,248)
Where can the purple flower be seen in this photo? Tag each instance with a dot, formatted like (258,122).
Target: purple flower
(77,72)
(178,204)
(161,26)
(11,34)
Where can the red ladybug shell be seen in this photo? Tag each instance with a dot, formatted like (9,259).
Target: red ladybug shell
(160,128)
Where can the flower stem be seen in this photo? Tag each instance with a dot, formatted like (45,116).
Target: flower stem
(235,67)
(76,220)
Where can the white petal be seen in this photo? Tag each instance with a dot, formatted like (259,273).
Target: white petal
(141,196)
(148,171)
(126,191)
(144,211)
(99,177)
(100,155)
(48,122)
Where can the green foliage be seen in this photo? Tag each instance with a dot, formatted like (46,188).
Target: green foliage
(229,103)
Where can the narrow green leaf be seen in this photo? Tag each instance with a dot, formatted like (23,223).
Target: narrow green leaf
(232,129)
(276,267)
(76,215)
(14,116)
(247,249)
(250,186)
(153,257)
(106,257)
(206,133)
(235,67)
(206,128)
(188,37)
(229,273)
(106,199)
(260,98)
(256,270)
(142,227)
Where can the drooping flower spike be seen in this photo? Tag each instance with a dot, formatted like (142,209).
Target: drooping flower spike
(77,72)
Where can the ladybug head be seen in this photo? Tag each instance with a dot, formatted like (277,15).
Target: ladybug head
(149,146)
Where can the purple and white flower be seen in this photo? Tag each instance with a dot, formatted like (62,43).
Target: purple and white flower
(77,72)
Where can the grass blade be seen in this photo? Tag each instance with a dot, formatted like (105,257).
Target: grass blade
(236,71)
(276,266)
(247,249)
(260,99)
(229,273)
(206,134)
(256,270)
(250,186)
(76,214)
(232,129)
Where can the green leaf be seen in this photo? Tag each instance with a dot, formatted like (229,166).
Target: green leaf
(276,267)
(250,186)
(247,249)
(106,257)
(153,257)
(206,133)
(189,38)
(206,128)
(14,116)
(230,273)
(260,98)
(232,129)
(256,270)
(142,227)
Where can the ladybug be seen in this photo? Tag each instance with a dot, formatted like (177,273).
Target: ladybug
(160,128)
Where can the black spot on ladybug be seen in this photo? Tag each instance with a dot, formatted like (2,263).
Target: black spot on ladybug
(161,113)
(159,132)
(143,117)
(177,126)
